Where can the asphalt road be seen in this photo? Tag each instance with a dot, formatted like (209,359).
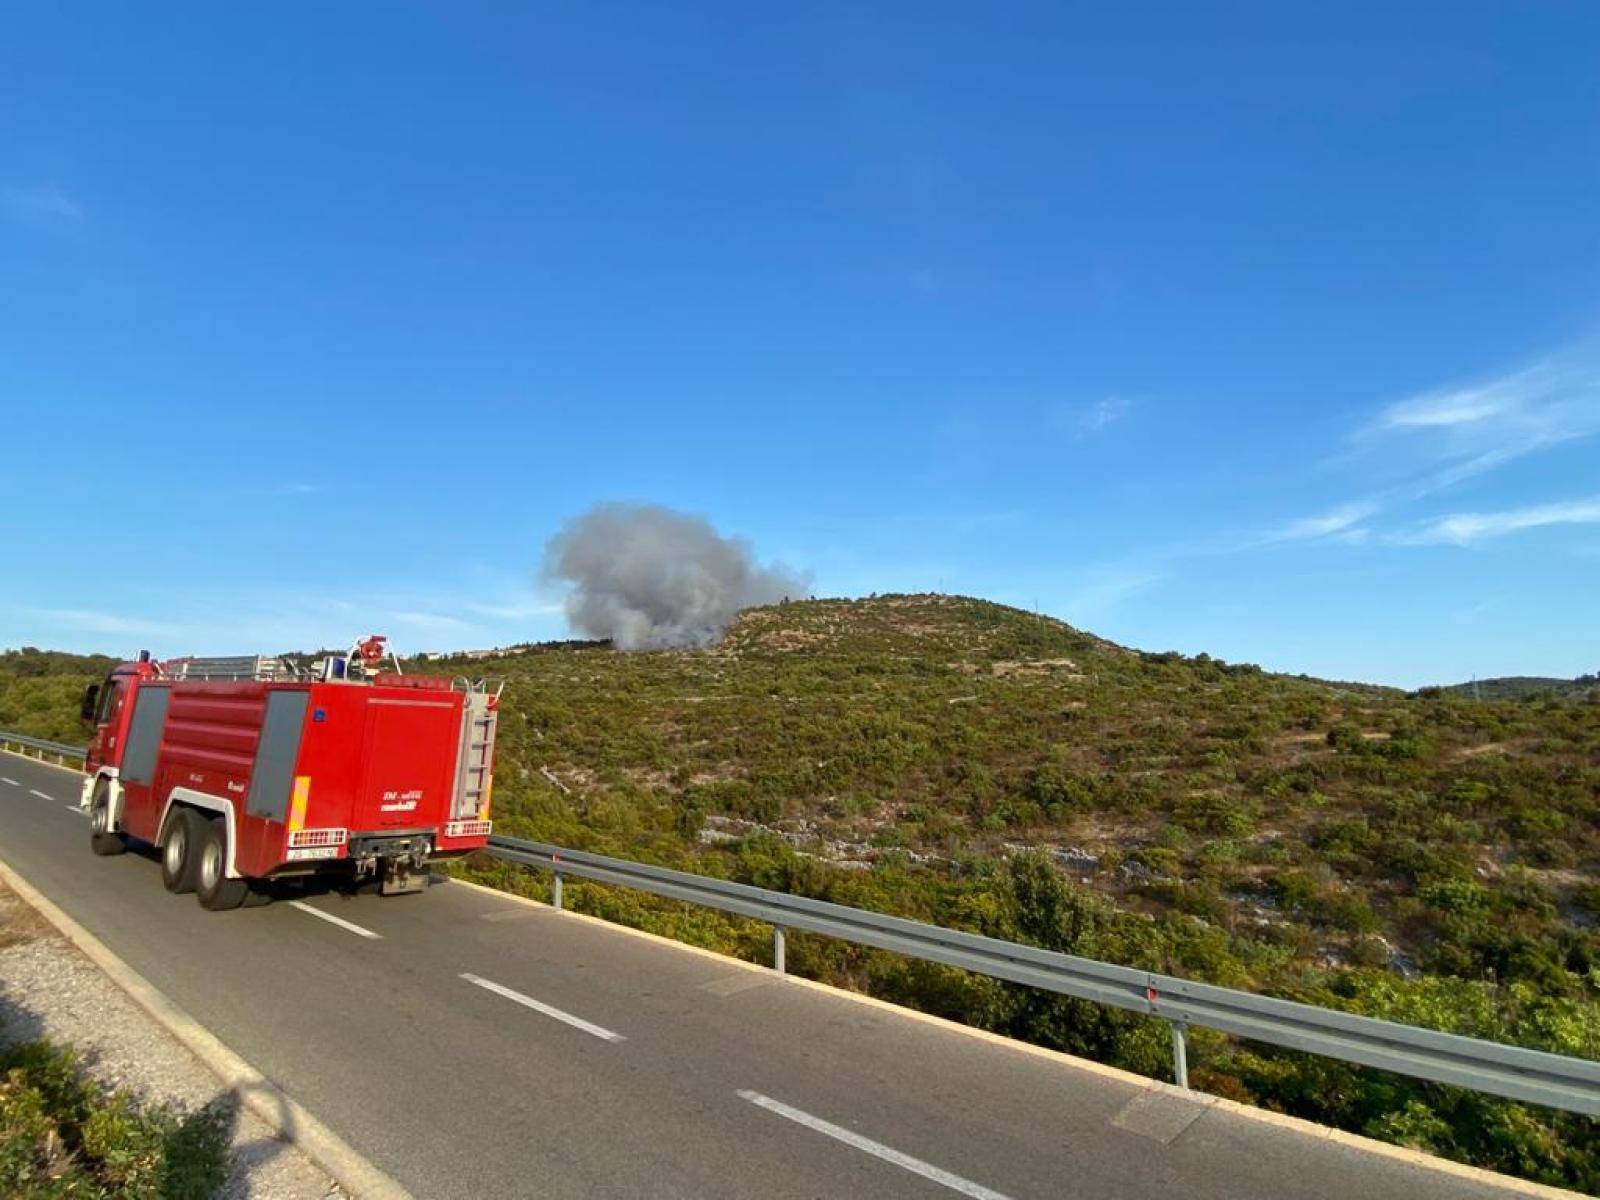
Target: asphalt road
(473,1046)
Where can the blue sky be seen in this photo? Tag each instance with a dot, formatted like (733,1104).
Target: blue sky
(1265,330)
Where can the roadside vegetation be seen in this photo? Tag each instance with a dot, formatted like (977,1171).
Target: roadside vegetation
(40,691)
(1430,858)
(64,1135)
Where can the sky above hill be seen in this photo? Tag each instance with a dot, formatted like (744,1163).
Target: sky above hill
(1267,330)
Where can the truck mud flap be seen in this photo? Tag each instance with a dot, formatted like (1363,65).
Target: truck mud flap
(400,878)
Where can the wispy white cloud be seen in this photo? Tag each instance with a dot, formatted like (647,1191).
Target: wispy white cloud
(1443,438)
(41,205)
(1482,426)
(1436,410)
(1342,520)
(94,621)
(439,622)
(1100,590)
(1103,413)
(272,620)
(983,522)
(299,489)
(518,611)
(1462,529)
(1481,608)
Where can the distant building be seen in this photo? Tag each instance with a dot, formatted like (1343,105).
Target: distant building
(490,652)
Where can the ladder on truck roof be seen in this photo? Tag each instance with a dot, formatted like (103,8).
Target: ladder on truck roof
(257,667)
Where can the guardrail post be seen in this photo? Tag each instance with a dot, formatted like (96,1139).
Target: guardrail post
(1180,1055)
(555,892)
(778,947)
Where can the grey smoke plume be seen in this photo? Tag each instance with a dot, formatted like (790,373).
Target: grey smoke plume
(648,577)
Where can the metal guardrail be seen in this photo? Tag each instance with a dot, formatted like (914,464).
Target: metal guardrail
(41,746)
(1512,1071)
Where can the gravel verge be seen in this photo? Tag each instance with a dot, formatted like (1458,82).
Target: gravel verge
(49,989)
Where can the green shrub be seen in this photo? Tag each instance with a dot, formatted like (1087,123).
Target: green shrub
(63,1135)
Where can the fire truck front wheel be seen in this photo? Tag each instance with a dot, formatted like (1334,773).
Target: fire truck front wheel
(103,840)
(215,890)
(180,850)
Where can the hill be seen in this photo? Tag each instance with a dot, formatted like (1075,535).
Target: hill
(1523,687)
(1428,858)
(932,730)
(40,691)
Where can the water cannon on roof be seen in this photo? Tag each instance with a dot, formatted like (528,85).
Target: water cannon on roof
(364,660)
(371,649)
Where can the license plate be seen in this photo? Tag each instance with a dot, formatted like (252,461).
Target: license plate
(305,852)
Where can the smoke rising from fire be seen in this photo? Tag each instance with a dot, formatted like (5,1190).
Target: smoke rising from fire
(648,577)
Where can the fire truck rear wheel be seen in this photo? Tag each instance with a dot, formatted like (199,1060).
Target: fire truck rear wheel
(216,891)
(180,850)
(103,841)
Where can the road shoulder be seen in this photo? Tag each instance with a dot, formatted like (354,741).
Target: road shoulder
(58,981)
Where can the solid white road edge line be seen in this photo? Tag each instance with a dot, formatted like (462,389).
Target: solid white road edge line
(333,920)
(540,1007)
(915,1165)
(41,795)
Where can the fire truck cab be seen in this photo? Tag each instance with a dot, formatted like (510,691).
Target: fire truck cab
(245,770)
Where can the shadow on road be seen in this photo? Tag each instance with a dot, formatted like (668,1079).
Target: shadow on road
(303,887)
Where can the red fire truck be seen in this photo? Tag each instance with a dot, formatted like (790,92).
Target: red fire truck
(243,770)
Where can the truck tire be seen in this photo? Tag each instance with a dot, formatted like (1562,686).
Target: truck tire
(215,890)
(102,840)
(180,850)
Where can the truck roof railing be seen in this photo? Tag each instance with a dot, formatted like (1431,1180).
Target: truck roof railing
(363,662)
(257,667)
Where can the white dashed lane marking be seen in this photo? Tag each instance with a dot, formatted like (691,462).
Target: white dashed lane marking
(877,1149)
(333,920)
(41,795)
(540,1006)
(8,779)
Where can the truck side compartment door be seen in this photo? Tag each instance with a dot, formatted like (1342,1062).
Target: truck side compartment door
(267,804)
(141,807)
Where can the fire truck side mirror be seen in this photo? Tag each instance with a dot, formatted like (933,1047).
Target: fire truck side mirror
(86,709)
